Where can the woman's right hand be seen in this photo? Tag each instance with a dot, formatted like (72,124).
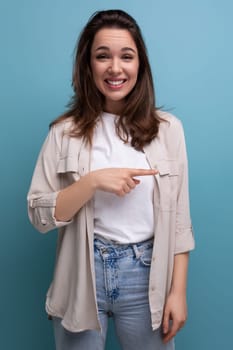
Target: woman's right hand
(119,181)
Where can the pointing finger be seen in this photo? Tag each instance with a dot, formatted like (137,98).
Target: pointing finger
(143,172)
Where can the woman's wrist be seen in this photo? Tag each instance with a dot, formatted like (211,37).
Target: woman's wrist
(179,280)
(91,179)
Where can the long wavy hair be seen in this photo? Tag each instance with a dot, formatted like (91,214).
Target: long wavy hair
(139,120)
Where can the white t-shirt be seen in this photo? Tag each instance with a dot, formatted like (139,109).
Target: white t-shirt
(127,219)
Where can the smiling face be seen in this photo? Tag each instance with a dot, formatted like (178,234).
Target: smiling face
(114,64)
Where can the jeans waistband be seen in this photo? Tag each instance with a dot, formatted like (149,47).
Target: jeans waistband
(122,249)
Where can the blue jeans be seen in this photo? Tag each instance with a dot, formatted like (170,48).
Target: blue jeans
(122,279)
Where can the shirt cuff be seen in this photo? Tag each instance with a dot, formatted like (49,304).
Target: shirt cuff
(184,241)
(42,208)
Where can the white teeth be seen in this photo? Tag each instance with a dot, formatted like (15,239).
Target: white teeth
(115,82)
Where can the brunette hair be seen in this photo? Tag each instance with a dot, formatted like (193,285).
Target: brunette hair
(139,119)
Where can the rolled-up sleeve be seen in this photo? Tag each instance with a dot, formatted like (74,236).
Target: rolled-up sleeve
(45,185)
(184,230)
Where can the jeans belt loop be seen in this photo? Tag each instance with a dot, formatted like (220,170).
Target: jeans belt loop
(136,251)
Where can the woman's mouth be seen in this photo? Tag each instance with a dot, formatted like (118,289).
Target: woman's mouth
(115,83)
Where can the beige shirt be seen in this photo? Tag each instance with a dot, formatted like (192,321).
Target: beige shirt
(63,160)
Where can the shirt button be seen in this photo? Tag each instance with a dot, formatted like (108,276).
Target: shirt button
(153,259)
(153,289)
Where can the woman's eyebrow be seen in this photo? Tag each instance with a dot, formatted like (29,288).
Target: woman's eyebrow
(102,48)
(108,49)
(128,49)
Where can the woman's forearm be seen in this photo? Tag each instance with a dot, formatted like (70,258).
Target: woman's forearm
(73,197)
(180,270)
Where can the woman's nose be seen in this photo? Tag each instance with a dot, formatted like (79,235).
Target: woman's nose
(114,67)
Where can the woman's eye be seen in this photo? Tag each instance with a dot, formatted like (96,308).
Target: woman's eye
(127,57)
(102,56)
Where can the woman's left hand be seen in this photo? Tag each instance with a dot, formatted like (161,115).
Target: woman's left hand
(175,315)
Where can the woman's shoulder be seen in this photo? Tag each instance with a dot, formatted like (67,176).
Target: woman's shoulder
(62,125)
(169,122)
(57,131)
(168,118)
(170,129)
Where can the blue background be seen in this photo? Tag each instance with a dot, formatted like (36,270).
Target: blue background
(191,52)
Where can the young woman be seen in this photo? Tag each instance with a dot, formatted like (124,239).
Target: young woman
(112,177)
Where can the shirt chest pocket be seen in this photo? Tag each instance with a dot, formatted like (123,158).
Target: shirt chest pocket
(168,179)
(72,163)
(69,165)
(68,170)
